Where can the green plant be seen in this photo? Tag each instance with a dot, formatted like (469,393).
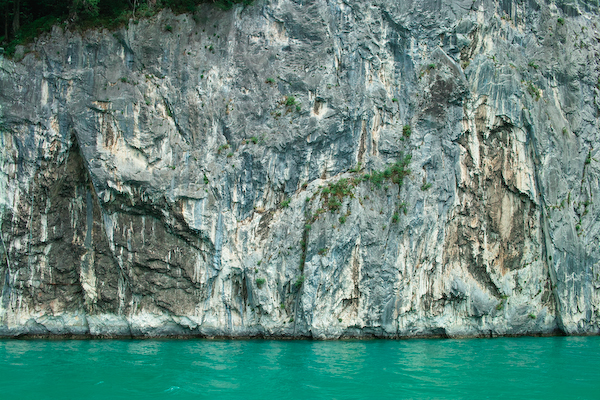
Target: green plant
(561,20)
(499,306)
(168,28)
(260,282)
(222,147)
(299,282)
(533,65)
(205,179)
(298,108)
(431,66)
(211,48)
(270,80)
(229,155)
(533,91)
(395,217)
(322,251)
(339,319)
(377,178)
(342,219)
(285,203)
(404,207)
(532,316)
(290,101)
(425,186)
(588,159)
(307,227)
(406,131)
(258,262)
(394,100)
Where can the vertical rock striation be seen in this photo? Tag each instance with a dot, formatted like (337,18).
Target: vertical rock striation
(314,168)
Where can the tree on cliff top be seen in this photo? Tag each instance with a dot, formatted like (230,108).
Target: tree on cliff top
(23,20)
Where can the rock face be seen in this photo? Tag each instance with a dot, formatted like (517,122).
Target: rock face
(306,168)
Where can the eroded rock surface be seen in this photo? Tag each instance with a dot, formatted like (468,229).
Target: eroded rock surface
(316,168)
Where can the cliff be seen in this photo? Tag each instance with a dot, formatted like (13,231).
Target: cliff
(306,168)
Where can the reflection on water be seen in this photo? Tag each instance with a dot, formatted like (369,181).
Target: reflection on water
(531,368)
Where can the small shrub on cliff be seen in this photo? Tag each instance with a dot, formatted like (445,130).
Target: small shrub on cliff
(406,131)
(260,282)
(299,282)
(290,101)
(533,91)
(222,147)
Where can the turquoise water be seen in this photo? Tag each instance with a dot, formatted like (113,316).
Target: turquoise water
(503,368)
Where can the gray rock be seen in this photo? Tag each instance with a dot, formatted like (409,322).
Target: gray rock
(209,180)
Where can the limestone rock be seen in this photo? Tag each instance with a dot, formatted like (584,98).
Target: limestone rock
(306,168)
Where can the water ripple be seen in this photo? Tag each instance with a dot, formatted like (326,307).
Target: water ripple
(532,368)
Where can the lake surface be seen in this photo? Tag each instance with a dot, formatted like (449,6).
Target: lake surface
(502,368)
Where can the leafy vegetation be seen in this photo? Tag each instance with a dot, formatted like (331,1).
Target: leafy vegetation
(290,101)
(533,91)
(24,20)
(260,282)
(299,282)
(222,147)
